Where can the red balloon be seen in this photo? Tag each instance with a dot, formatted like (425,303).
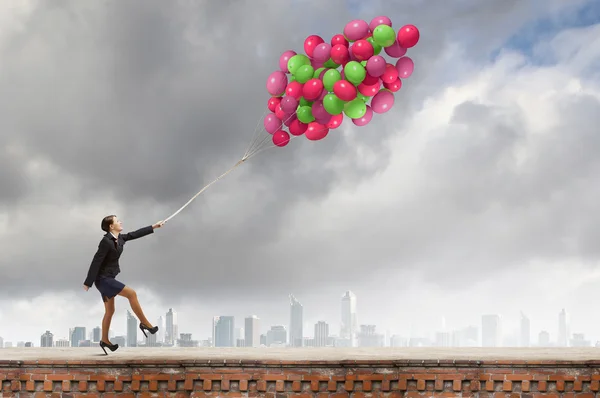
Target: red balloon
(316,131)
(310,43)
(273,102)
(281,115)
(408,36)
(394,86)
(344,90)
(294,89)
(390,75)
(340,54)
(281,138)
(335,121)
(371,90)
(370,80)
(339,39)
(362,50)
(297,127)
(312,89)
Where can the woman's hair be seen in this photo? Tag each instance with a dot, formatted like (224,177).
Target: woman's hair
(107,222)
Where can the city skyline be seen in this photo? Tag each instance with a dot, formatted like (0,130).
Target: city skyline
(250,332)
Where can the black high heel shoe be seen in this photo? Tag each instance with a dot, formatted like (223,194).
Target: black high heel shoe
(111,347)
(151,330)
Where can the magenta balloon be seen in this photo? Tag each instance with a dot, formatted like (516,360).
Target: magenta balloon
(356,30)
(380,20)
(289,104)
(276,83)
(376,65)
(382,101)
(318,110)
(289,119)
(284,58)
(323,120)
(272,123)
(322,53)
(395,51)
(363,121)
(323,94)
(405,67)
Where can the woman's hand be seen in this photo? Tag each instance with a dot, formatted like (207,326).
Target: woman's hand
(158,224)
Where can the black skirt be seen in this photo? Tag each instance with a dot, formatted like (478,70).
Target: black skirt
(108,287)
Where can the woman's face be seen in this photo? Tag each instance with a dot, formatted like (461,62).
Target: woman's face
(117,225)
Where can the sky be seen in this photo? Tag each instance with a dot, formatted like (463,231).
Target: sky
(475,194)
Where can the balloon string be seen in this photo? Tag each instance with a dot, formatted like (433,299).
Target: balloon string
(203,189)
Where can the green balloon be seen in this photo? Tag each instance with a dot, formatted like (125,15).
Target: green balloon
(304,73)
(318,73)
(304,114)
(355,109)
(333,104)
(363,98)
(329,79)
(363,63)
(330,64)
(376,47)
(297,61)
(355,73)
(304,102)
(292,79)
(384,35)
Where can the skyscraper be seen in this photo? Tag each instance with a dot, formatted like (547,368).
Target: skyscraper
(96,334)
(77,334)
(160,335)
(491,331)
(277,335)
(252,331)
(132,328)
(47,339)
(564,333)
(296,322)
(321,334)
(349,326)
(172,329)
(223,331)
(525,331)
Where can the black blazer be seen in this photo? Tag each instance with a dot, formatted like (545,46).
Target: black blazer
(106,259)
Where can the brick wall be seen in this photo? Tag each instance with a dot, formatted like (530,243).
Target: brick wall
(278,379)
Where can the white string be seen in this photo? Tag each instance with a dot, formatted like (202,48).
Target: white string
(252,151)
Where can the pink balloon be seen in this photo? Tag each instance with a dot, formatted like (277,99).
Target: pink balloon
(312,89)
(405,67)
(284,58)
(322,52)
(339,54)
(272,123)
(281,138)
(318,110)
(289,104)
(281,115)
(289,119)
(363,121)
(294,89)
(297,127)
(310,43)
(394,86)
(273,102)
(390,74)
(382,101)
(276,83)
(323,94)
(316,131)
(335,121)
(356,30)
(408,36)
(376,65)
(381,20)
(345,90)
(370,80)
(362,50)
(323,120)
(371,90)
(395,51)
(315,64)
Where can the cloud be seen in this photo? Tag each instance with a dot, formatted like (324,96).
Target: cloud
(484,165)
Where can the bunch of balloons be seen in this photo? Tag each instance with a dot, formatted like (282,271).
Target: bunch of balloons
(311,92)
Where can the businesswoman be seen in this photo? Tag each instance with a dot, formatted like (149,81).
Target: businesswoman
(105,267)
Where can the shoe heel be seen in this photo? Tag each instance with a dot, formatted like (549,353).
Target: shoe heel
(103,349)
(142,329)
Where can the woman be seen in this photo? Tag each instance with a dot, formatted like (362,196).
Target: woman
(105,267)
